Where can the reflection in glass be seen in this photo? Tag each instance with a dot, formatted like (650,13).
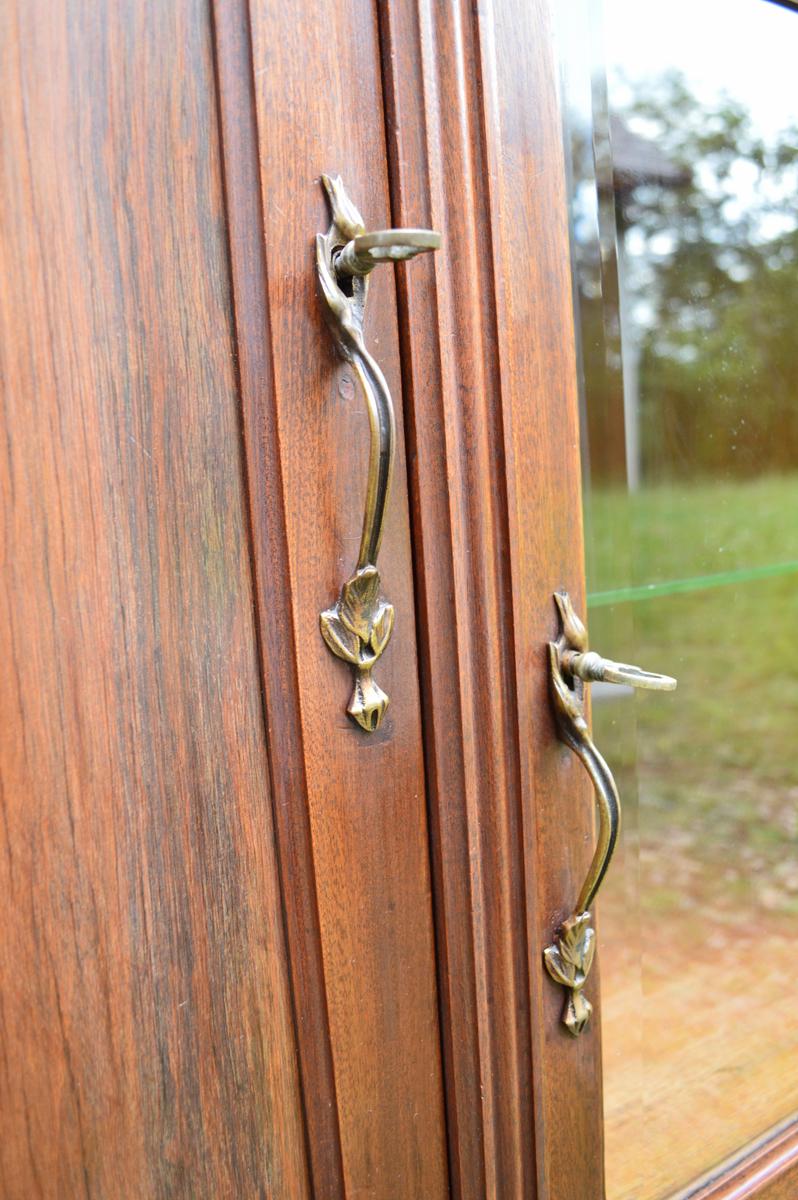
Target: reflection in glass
(684,160)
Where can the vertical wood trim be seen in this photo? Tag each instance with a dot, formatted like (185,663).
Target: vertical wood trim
(273,594)
(439,161)
(490,377)
(351,816)
(533,286)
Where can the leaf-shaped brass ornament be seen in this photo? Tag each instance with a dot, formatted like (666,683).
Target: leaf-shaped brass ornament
(347,218)
(368,703)
(567,703)
(383,627)
(358,630)
(341,640)
(359,602)
(568,962)
(577,1012)
(557,968)
(573,630)
(359,627)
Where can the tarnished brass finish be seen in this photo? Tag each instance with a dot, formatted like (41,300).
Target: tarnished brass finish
(569,962)
(592,668)
(571,664)
(357,629)
(363,253)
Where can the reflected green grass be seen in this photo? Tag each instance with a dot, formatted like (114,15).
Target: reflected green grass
(698,917)
(685,529)
(715,765)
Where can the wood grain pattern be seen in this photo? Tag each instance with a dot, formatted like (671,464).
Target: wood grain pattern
(453,393)
(352,820)
(146,1044)
(491,390)
(274,597)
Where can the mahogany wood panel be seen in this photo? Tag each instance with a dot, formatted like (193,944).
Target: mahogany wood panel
(476,141)
(351,816)
(280,683)
(146,1043)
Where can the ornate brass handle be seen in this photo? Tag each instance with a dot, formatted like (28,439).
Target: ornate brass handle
(358,628)
(571,665)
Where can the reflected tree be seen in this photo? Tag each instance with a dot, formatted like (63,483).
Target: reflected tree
(712,268)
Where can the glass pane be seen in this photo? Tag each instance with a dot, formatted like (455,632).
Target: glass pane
(683,138)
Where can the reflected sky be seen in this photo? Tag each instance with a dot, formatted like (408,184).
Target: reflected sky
(737,53)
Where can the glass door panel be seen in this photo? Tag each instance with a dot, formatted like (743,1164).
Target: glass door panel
(683,133)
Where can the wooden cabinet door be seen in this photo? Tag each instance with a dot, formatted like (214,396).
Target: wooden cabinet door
(147,1036)
(250,948)
(218,974)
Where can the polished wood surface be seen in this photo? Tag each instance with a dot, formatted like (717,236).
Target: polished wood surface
(453,394)
(146,1044)
(280,683)
(351,808)
(541,437)
(490,372)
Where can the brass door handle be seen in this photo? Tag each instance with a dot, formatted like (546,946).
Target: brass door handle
(569,959)
(358,628)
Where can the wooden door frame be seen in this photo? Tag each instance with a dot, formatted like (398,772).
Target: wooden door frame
(489,384)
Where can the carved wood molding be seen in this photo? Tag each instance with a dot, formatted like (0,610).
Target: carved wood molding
(490,394)
(272,579)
